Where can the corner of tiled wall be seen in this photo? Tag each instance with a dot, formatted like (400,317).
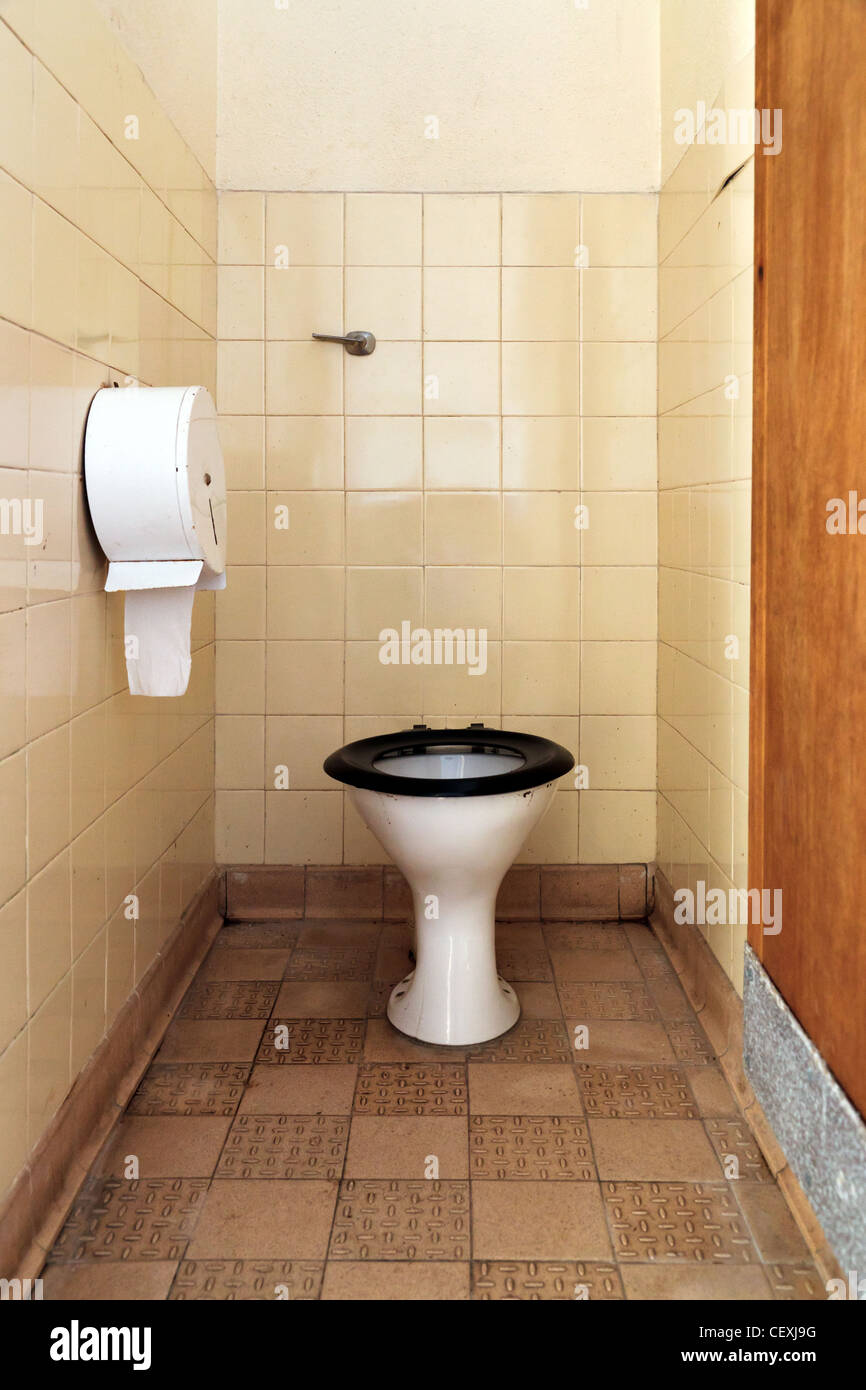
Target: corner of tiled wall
(705,380)
(108,274)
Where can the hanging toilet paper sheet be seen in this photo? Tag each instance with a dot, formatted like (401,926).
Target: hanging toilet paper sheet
(157,626)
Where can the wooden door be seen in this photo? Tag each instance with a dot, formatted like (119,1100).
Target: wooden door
(808,712)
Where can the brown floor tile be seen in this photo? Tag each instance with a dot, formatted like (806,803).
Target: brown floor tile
(111,1280)
(324,999)
(112,1219)
(407,1088)
(385,1044)
(212,1040)
(312,1041)
(402,1146)
(324,1090)
(285,1146)
(245,963)
(247,1280)
(267,1220)
(166,1146)
(607,999)
(243,999)
(523,964)
(401,1220)
(734,1139)
(626,1092)
(530,1040)
(537,1147)
(711,1091)
(324,963)
(585,936)
(669,1221)
(562,1281)
(641,936)
(690,1042)
(399,935)
(593,965)
(520,936)
(669,997)
(653,1150)
(339,936)
(623,1041)
(190,1088)
(656,965)
(538,1221)
(677,1283)
(359,1280)
(538,1000)
(257,935)
(795,1281)
(774,1229)
(393,963)
(523,1088)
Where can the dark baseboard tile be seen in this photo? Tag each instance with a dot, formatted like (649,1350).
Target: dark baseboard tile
(33,1211)
(529,892)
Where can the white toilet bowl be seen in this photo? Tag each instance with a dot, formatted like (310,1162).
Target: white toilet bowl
(452,807)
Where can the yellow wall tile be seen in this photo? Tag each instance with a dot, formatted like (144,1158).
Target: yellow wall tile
(461,229)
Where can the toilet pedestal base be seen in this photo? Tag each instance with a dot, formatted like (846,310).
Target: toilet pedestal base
(454,996)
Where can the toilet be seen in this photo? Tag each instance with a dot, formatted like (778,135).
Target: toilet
(453,808)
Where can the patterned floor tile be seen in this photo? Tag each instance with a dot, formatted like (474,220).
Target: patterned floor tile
(733,1138)
(516,964)
(544,1281)
(322,963)
(676,1221)
(656,965)
(116,1219)
(313,1040)
(404,1088)
(689,1041)
(607,999)
(791,1282)
(401,1220)
(190,1088)
(535,1147)
(530,1040)
(247,1280)
(647,1092)
(284,1146)
(251,999)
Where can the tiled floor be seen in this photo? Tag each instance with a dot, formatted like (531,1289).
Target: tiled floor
(291,1144)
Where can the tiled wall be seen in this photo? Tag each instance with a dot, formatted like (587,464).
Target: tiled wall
(436,481)
(106,272)
(705,365)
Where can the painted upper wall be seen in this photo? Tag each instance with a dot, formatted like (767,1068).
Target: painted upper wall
(701,42)
(554,95)
(175,46)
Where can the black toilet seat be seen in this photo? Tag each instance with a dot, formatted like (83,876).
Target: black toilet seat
(543,761)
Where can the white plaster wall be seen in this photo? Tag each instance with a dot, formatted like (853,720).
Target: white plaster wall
(540,95)
(174,43)
(701,42)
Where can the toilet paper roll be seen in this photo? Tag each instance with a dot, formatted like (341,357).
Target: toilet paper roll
(157,626)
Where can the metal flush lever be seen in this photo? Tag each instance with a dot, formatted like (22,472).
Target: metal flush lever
(358,344)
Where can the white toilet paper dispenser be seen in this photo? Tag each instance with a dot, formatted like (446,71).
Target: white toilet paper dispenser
(156,492)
